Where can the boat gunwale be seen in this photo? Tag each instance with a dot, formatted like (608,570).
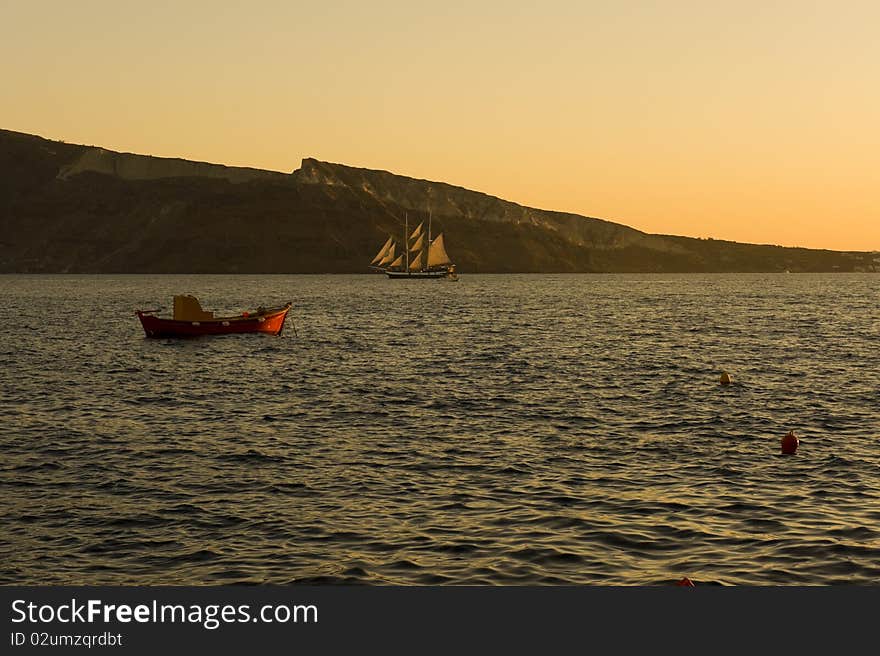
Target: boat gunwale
(269,313)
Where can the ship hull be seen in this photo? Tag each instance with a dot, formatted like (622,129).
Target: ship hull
(414,275)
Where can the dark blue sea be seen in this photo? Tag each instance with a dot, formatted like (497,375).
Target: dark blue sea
(505,429)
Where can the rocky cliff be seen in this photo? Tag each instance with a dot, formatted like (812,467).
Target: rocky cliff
(70,208)
(127,166)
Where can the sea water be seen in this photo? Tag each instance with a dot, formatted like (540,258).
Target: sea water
(504,429)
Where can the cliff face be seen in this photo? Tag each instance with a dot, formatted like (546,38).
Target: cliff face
(441,199)
(139,167)
(69,208)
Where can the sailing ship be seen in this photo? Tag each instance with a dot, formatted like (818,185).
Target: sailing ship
(421,256)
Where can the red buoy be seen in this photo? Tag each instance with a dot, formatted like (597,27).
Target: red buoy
(685,583)
(790,443)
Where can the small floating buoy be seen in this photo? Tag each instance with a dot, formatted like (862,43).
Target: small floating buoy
(685,583)
(245,314)
(725,378)
(790,443)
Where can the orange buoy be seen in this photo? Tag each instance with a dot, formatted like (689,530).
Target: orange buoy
(725,378)
(790,443)
(245,314)
(685,583)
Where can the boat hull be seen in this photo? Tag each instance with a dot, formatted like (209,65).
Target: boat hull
(270,322)
(413,275)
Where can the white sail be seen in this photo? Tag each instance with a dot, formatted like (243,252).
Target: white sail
(384,251)
(417,231)
(418,263)
(419,245)
(388,256)
(437,255)
(397,263)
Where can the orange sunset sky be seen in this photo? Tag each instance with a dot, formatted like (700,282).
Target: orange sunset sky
(751,121)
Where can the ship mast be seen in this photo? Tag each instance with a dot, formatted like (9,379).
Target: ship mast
(406,238)
(428,245)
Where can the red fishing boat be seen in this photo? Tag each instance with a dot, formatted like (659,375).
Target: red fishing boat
(190,320)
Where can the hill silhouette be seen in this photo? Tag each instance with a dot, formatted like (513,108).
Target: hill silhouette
(68,208)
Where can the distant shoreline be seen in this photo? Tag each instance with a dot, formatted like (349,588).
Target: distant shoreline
(85,209)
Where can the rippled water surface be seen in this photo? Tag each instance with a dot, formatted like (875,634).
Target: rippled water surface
(503,429)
